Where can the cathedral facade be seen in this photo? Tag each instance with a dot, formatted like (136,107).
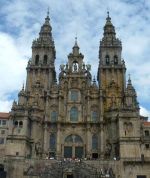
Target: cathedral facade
(78,117)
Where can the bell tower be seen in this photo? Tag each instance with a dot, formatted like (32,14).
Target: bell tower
(111,71)
(41,66)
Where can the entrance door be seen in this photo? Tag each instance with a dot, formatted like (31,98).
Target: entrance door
(70,176)
(73,147)
(68,151)
(79,152)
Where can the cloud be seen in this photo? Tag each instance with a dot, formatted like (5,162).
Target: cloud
(5,105)
(145,112)
(12,72)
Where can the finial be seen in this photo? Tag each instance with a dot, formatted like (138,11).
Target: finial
(129,76)
(47,19)
(23,86)
(76,38)
(48,12)
(94,81)
(108,14)
(76,41)
(129,79)
(108,17)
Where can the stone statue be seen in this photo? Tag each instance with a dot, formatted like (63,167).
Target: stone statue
(38,148)
(62,67)
(108,150)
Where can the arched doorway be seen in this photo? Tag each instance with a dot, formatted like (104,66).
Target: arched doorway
(73,147)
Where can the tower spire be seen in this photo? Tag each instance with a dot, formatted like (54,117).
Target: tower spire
(45,35)
(109,35)
(109,28)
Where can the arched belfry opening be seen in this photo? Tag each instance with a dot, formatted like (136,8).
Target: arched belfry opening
(45,60)
(115,59)
(107,58)
(37,60)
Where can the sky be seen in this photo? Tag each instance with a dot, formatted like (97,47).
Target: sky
(20,22)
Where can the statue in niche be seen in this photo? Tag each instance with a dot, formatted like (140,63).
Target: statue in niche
(108,150)
(113,101)
(65,85)
(67,66)
(36,99)
(83,66)
(75,67)
(38,148)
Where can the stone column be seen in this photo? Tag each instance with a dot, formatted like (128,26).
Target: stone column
(46,140)
(58,143)
(88,141)
(46,133)
(101,141)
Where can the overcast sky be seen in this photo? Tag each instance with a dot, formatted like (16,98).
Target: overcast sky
(20,22)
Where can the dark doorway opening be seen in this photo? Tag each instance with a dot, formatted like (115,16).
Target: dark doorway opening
(79,152)
(95,155)
(70,176)
(68,152)
(2,172)
(51,154)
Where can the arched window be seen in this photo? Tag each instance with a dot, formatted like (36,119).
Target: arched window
(147,133)
(73,139)
(95,142)
(16,123)
(54,116)
(107,59)
(52,141)
(78,139)
(69,139)
(115,59)
(94,116)
(20,124)
(74,114)
(45,60)
(74,95)
(37,60)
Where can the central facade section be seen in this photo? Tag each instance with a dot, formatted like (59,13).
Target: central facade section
(73,126)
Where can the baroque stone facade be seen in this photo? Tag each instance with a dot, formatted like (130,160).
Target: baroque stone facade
(77,117)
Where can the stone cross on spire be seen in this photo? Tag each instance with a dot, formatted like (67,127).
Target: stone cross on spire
(48,12)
